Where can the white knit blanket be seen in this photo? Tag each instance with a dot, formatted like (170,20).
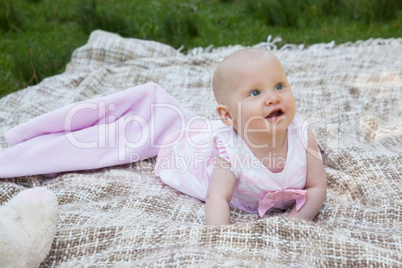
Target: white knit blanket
(126,217)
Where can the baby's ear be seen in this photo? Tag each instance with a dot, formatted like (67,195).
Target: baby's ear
(224,115)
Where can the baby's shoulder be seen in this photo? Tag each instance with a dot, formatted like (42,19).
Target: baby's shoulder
(298,132)
(298,123)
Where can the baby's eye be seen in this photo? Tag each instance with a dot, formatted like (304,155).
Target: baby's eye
(255,92)
(278,87)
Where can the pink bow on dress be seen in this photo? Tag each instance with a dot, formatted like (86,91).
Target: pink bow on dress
(271,198)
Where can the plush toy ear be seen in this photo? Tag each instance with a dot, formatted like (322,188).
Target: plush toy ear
(224,114)
(27,227)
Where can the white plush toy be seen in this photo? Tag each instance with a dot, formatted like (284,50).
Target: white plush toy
(27,228)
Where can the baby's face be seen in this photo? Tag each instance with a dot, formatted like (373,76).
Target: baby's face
(258,96)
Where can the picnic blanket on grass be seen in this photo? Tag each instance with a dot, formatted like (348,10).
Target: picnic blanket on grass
(124,216)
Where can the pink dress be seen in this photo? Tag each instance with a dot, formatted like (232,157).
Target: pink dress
(187,166)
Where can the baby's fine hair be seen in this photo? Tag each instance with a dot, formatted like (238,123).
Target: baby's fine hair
(218,78)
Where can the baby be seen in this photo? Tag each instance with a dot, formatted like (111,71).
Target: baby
(262,159)
(256,158)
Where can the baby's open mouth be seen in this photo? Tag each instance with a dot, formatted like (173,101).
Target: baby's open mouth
(275,114)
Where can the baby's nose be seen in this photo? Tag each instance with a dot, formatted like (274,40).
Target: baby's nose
(271,99)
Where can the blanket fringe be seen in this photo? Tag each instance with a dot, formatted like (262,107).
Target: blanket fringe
(272,45)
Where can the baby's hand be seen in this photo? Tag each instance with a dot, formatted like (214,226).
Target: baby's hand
(220,191)
(316,183)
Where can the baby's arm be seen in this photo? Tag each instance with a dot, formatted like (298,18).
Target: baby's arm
(220,191)
(316,183)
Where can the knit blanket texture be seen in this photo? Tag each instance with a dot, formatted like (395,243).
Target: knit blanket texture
(124,216)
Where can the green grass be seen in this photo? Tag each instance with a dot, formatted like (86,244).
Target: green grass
(37,37)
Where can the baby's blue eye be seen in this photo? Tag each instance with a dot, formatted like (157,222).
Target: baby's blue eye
(255,92)
(278,87)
